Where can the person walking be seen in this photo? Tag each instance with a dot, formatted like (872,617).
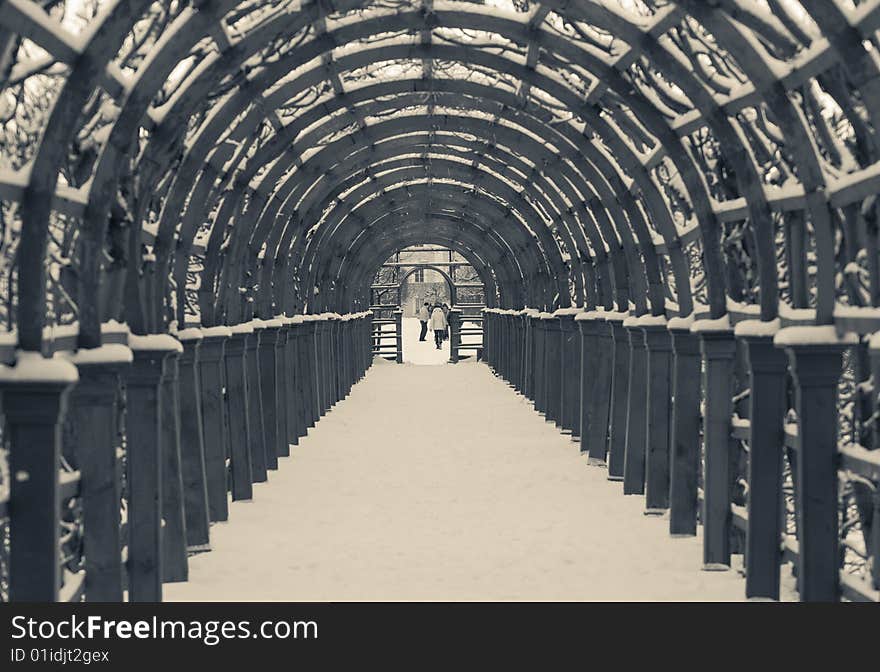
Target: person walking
(438,324)
(445,308)
(424,315)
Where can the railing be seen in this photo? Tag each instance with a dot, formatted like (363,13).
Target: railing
(465,332)
(215,410)
(727,424)
(387,333)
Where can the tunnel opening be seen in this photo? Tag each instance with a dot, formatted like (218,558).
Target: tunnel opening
(406,290)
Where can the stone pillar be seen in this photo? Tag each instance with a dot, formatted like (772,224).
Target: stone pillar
(258,446)
(657,453)
(718,347)
(539,358)
(316,364)
(636,411)
(211,370)
(454,317)
(488,335)
(306,348)
(296,423)
(94,415)
(569,369)
(685,464)
(600,401)
(528,326)
(35,394)
(145,434)
(398,328)
(238,407)
(767,368)
(619,400)
(192,444)
(815,355)
(271,395)
(174,558)
(516,322)
(553,358)
(283,429)
(588,327)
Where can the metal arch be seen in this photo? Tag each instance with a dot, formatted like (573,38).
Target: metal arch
(109,29)
(331,151)
(509,270)
(373,253)
(658,299)
(449,282)
(552,260)
(518,245)
(287,190)
(331,172)
(475,236)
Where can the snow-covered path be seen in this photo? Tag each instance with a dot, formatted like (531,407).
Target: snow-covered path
(439,483)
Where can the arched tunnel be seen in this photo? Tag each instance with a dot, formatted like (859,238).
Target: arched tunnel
(670,204)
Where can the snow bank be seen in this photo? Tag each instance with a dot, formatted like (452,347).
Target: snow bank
(111,353)
(814,335)
(191,334)
(646,320)
(208,332)
(114,327)
(786,312)
(744,308)
(717,325)
(32,367)
(154,342)
(870,312)
(681,323)
(758,327)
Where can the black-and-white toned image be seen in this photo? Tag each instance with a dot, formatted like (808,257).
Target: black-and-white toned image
(439,301)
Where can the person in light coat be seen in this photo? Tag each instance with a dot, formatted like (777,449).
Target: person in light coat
(424,315)
(438,324)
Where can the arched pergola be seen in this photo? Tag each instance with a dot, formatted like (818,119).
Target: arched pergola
(167,165)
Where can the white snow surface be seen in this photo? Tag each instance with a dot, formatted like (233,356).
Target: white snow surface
(425,352)
(32,367)
(758,327)
(440,483)
(156,342)
(681,323)
(816,335)
(191,334)
(720,324)
(209,332)
(110,353)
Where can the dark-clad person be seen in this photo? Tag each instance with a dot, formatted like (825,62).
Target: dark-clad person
(424,315)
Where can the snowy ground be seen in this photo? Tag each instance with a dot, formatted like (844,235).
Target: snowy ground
(426,353)
(416,352)
(439,483)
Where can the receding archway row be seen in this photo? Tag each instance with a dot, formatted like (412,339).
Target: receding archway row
(635,34)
